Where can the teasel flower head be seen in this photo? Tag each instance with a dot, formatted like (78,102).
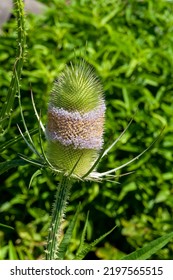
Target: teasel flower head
(75,121)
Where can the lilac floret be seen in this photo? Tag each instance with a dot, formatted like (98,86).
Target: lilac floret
(82,131)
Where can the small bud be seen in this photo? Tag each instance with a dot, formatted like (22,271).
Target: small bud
(75,120)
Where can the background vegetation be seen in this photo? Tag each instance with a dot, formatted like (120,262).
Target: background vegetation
(130,44)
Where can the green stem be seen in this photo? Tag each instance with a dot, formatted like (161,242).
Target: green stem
(7,107)
(55,229)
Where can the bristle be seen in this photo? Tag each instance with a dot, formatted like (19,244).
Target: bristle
(77,89)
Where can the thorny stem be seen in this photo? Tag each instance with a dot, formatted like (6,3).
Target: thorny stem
(6,111)
(55,229)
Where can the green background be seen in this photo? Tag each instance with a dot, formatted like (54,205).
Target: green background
(130,45)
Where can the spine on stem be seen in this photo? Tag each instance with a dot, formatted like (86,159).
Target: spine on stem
(55,230)
(7,108)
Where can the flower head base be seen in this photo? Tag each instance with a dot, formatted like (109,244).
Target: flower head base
(75,120)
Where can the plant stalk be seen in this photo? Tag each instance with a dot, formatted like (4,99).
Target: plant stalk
(7,108)
(59,207)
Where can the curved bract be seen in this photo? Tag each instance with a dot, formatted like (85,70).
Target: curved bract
(75,120)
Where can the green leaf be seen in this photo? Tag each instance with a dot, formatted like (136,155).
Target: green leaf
(12,251)
(88,247)
(147,251)
(82,240)
(3,252)
(5,166)
(67,237)
(2,225)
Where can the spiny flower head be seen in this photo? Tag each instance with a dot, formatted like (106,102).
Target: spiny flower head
(75,120)
(77,89)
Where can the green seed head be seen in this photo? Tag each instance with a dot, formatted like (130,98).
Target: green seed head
(77,89)
(75,120)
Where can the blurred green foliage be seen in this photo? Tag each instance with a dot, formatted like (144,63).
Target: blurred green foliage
(130,44)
